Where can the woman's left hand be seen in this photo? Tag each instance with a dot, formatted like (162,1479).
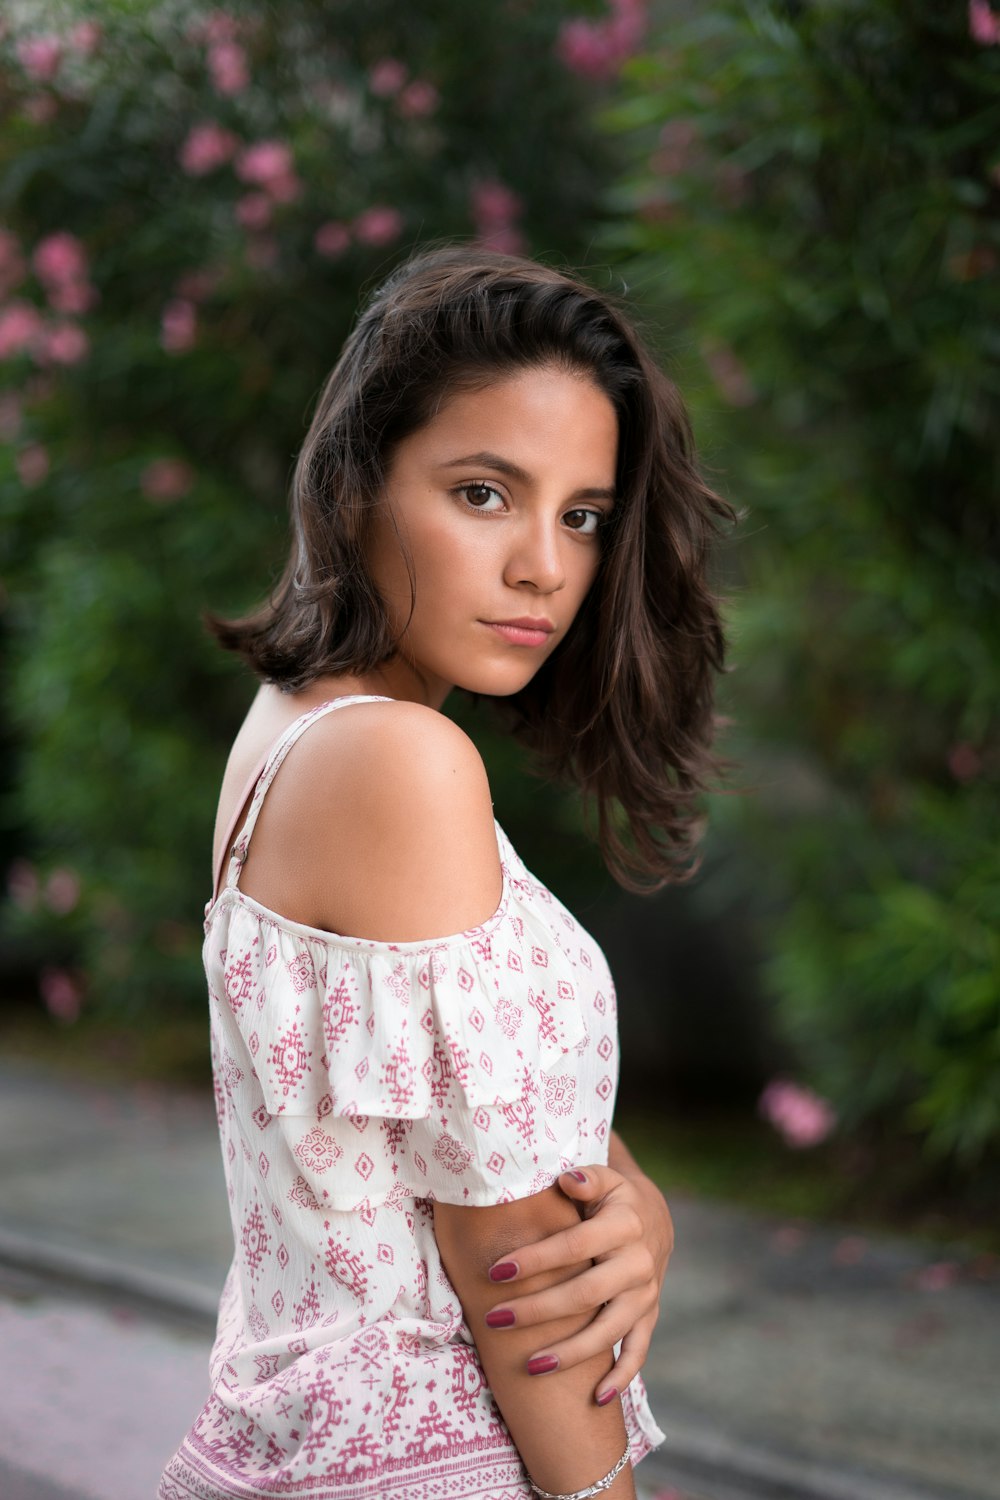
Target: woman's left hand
(623,1245)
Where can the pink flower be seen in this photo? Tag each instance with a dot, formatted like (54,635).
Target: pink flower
(40,57)
(60,263)
(379,225)
(265,162)
(61,993)
(12,264)
(62,890)
(85,37)
(494,211)
(166,479)
(332,239)
(984,26)
(493,203)
(22,885)
(387,77)
(179,326)
(418,100)
(206,147)
(63,344)
(32,465)
(597,49)
(799,1115)
(20,325)
(582,47)
(227,63)
(254,211)
(60,258)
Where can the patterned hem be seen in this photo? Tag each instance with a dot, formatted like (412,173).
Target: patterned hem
(456,1476)
(466,1473)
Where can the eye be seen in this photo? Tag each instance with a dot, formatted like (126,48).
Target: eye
(481,496)
(586,522)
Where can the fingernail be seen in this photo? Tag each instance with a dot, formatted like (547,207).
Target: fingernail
(580,1176)
(501,1317)
(606,1396)
(504,1271)
(541,1364)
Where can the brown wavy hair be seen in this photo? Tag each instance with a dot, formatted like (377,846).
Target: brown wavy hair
(623,707)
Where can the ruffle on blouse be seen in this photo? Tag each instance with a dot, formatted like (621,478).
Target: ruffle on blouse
(349,1027)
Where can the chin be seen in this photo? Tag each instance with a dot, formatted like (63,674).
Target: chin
(496,682)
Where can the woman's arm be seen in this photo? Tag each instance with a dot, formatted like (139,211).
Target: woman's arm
(618,1257)
(566,1441)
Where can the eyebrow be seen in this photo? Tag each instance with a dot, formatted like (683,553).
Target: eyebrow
(514,471)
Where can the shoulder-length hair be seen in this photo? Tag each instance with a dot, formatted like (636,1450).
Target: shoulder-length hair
(623,707)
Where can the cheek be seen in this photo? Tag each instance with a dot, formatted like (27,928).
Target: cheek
(451,558)
(582,568)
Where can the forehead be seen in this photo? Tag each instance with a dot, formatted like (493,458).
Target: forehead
(538,418)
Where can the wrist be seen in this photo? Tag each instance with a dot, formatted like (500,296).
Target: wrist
(607,1485)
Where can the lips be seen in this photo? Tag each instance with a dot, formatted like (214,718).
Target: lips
(522,632)
(525,622)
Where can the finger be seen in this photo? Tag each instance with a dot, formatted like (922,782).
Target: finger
(589,1184)
(599,1337)
(585,1293)
(576,1245)
(631,1358)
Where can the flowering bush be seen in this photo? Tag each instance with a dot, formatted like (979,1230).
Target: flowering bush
(815,200)
(798,1114)
(193,199)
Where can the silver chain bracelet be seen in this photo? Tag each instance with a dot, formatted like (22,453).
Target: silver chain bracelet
(593,1489)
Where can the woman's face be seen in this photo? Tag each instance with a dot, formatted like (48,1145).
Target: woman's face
(499,499)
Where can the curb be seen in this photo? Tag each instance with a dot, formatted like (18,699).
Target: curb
(713,1465)
(63,1269)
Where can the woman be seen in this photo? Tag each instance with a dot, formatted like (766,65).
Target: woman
(440,1242)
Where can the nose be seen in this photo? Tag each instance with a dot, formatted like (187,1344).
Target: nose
(535,557)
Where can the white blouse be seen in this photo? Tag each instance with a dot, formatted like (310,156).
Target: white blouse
(356,1082)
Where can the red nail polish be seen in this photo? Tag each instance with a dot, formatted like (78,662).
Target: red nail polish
(504,1271)
(502,1317)
(542,1364)
(606,1397)
(580,1176)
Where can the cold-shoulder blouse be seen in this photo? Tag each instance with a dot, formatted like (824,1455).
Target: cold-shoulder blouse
(356,1083)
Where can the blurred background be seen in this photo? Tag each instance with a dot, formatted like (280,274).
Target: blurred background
(800,202)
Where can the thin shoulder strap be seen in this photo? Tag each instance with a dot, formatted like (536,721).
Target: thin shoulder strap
(227,842)
(295,730)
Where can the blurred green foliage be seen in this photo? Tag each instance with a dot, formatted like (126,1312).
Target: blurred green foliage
(814,205)
(192,202)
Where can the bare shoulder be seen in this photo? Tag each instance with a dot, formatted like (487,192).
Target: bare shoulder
(388,808)
(386,758)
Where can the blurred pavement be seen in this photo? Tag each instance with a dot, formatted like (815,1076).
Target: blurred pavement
(791,1362)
